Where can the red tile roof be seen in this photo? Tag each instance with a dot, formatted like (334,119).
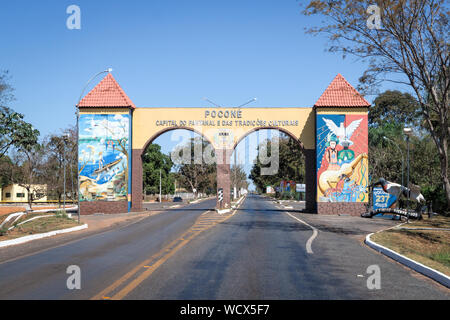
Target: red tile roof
(340,93)
(107,93)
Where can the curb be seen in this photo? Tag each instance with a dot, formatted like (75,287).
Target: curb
(427,271)
(21,240)
(223,211)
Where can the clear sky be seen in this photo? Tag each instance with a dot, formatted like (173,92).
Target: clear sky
(165,53)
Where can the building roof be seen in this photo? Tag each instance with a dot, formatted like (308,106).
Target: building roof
(340,93)
(106,94)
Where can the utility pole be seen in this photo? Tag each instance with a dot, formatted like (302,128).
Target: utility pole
(65,140)
(235,176)
(64,162)
(408,133)
(160,186)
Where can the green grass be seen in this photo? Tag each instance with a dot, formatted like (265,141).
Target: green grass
(441,257)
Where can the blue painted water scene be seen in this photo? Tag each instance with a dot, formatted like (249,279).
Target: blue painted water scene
(103,156)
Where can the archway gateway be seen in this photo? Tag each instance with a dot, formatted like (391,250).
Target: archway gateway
(113,134)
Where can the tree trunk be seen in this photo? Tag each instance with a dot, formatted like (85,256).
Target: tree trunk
(30,198)
(444,175)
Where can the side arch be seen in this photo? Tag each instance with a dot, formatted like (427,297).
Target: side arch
(137,168)
(162,131)
(310,166)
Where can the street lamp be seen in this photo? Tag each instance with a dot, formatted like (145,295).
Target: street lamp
(109,70)
(403,165)
(65,140)
(408,133)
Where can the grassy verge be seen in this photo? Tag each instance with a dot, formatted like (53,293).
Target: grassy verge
(42,225)
(429,247)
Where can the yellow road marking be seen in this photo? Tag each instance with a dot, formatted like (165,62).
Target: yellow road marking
(163,256)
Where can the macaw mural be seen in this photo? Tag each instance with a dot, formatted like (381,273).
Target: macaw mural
(103,150)
(342,161)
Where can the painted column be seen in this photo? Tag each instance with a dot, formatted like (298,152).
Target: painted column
(103,153)
(342,161)
(137,180)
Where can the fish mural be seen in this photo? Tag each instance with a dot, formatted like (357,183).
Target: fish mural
(342,158)
(103,151)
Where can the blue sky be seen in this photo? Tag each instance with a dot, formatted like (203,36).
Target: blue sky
(165,53)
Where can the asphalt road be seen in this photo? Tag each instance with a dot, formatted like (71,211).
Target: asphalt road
(101,258)
(260,252)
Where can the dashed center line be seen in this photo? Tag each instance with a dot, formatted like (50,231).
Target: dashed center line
(128,282)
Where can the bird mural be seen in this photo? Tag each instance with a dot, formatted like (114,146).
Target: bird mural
(343,133)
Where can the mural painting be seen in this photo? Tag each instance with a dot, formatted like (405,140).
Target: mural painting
(103,156)
(342,161)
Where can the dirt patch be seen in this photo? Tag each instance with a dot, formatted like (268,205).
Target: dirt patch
(9,210)
(434,222)
(37,226)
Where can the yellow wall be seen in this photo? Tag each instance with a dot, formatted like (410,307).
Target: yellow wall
(150,122)
(14,189)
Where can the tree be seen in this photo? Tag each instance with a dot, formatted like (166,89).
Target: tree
(153,160)
(291,164)
(14,131)
(30,171)
(197,176)
(60,151)
(238,178)
(6,91)
(410,47)
(395,107)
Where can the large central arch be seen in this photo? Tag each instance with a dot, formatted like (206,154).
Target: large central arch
(223,128)
(114,134)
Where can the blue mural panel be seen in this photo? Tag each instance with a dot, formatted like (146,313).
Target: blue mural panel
(103,153)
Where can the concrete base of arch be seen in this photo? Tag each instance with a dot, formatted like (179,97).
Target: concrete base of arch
(224,177)
(137,194)
(310,180)
(341,208)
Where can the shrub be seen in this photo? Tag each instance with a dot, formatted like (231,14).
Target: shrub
(436,195)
